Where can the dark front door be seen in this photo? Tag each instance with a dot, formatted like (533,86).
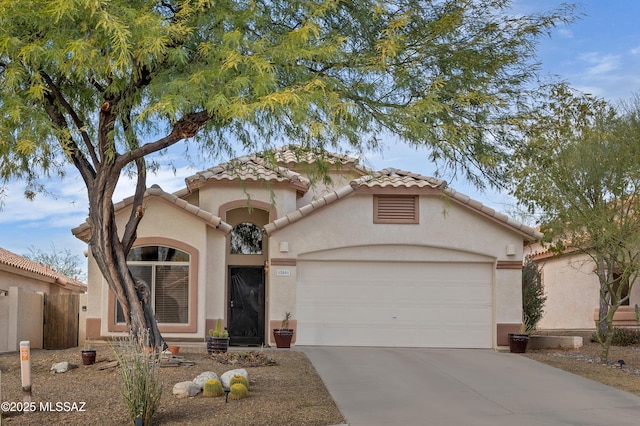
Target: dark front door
(246,305)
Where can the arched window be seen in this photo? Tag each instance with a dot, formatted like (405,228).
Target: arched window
(246,238)
(166,271)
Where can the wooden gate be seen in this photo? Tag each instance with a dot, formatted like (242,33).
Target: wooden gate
(61,319)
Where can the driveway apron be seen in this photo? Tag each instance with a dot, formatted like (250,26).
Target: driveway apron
(417,386)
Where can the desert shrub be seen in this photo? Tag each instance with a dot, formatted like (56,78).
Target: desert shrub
(139,373)
(212,387)
(238,391)
(239,379)
(623,336)
(533,298)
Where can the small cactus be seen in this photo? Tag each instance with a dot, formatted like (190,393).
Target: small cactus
(238,378)
(212,387)
(238,391)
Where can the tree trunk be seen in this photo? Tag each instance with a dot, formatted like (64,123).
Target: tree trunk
(604,329)
(110,255)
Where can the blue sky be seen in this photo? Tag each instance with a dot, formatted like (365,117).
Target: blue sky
(599,54)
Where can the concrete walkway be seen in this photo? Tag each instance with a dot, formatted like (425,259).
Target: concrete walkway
(401,386)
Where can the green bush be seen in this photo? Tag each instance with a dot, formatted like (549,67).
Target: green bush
(212,387)
(623,337)
(533,298)
(626,336)
(238,391)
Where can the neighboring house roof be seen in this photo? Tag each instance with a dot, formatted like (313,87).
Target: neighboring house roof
(248,168)
(83,231)
(395,179)
(15,263)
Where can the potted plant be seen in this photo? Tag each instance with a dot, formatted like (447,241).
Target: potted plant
(533,300)
(518,341)
(284,334)
(88,354)
(218,339)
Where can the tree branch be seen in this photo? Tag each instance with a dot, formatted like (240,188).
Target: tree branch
(74,116)
(184,128)
(137,211)
(58,120)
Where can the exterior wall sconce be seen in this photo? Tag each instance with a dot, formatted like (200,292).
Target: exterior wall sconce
(511,250)
(284,247)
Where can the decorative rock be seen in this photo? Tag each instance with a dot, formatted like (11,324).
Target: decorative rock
(62,367)
(205,377)
(226,377)
(186,389)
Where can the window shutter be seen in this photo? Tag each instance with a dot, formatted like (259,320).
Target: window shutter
(395,209)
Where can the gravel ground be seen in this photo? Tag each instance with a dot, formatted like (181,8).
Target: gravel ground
(287,393)
(585,362)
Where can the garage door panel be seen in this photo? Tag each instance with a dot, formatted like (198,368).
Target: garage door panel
(394,304)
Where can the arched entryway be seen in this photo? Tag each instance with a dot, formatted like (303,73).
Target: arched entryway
(246,255)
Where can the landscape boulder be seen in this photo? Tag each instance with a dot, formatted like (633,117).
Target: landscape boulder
(205,377)
(186,389)
(226,377)
(62,367)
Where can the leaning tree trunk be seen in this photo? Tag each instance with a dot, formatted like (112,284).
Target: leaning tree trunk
(110,255)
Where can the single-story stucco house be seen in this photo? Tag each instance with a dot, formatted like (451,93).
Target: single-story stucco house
(23,286)
(384,258)
(573,291)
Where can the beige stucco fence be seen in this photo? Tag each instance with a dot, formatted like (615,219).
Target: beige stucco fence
(21,318)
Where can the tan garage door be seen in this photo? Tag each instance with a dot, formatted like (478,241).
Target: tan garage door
(398,304)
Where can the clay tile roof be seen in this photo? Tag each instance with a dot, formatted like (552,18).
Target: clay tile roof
(18,262)
(398,178)
(292,154)
(248,168)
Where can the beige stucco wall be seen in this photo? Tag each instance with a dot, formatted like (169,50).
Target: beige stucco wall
(165,220)
(444,225)
(572,291)
(212,197)
(21,317)
(5,303)
(28,282)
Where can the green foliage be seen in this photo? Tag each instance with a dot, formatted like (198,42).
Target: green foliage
(139,373)
(533,298)
(439,74)
(238,391)
(63,261)
(239,379)
(212,387)
(623,337)
(580,170)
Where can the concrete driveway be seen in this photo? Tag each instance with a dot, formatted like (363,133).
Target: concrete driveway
(408,386)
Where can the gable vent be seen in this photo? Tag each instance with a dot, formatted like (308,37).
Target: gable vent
(395,209)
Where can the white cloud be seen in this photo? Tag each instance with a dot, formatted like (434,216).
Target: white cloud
(565,33)
(600,63)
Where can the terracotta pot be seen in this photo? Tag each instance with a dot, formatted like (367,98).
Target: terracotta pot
(518,343)
(88,357)
(283,337)
(174,350)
